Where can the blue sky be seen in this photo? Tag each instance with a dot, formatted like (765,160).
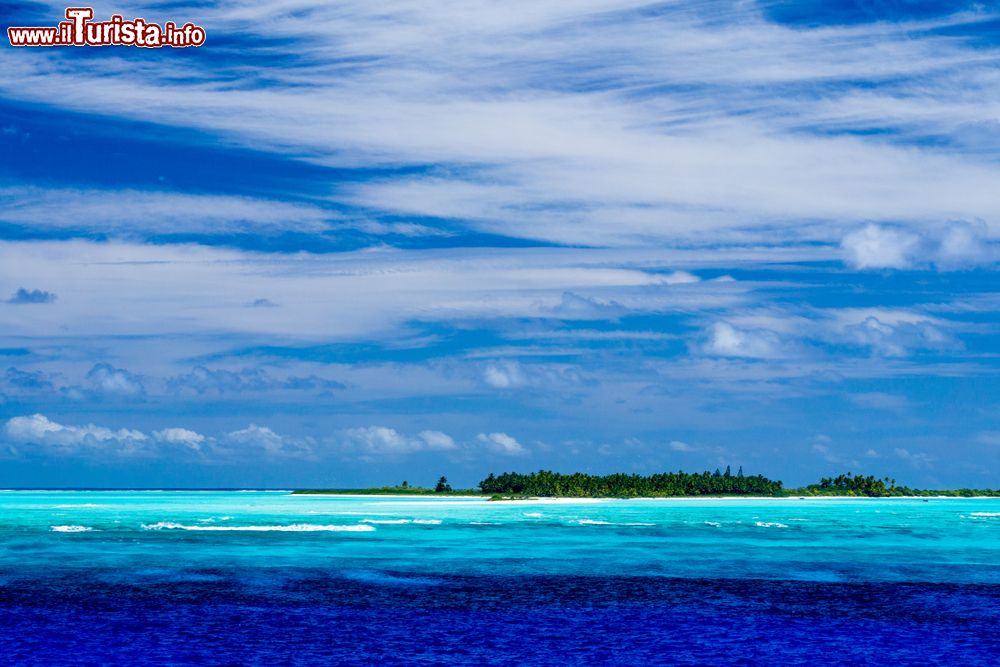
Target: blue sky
(350,243)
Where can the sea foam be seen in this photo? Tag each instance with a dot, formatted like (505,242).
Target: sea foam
(593,522)
(71,529)
(293,528)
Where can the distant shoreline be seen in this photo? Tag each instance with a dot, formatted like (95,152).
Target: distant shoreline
(463,495)
(584,500)
(362,494)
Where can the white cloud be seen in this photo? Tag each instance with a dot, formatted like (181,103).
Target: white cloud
(106,378)
(38,432)
(680,278)
(128,289)
(503,375)
(376,440)
(41,431)
(263,439)
(952,246)
(890,333)
(964,245)
(777,334)
(875,247)
(576,307)
(180,436)
(436,440)
(679,446)
(725,340)
(502,443)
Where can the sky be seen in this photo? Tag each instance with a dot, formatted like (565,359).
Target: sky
(352,243)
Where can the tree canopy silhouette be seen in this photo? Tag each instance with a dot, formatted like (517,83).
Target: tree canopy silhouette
(620,485)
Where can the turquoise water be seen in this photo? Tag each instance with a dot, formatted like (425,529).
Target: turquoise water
(268,578)
(942,540)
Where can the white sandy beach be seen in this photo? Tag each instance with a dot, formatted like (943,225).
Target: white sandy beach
(590,501)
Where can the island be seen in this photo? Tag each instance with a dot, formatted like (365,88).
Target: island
(442,488)
(549,484)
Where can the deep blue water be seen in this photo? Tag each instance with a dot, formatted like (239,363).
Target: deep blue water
(268,579)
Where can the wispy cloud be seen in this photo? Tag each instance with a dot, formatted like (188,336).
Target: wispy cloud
(135,213)
(582,123)
(202,381)
(681,446)
(503,375)
(502,444)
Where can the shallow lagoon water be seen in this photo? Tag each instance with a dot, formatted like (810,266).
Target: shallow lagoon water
(270,578)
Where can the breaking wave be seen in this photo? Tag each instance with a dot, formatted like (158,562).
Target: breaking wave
(71,529)
(388,522)
(293,528)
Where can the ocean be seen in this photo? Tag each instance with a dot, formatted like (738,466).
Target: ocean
(267,578)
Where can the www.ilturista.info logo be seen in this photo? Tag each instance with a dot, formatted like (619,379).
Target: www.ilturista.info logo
(80,30)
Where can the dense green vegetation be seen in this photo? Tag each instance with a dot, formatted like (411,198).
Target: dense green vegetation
(853,485)
(860,485)
(579,485)
(546,483)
